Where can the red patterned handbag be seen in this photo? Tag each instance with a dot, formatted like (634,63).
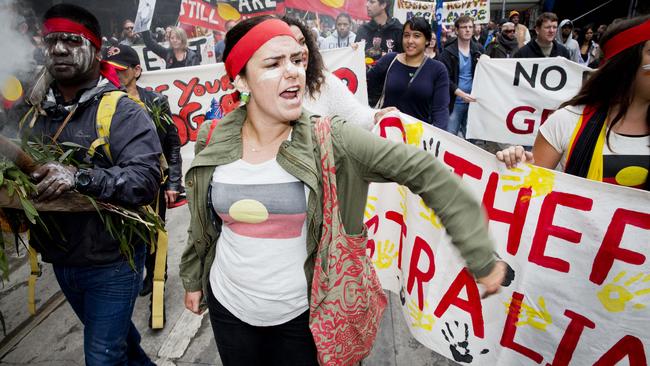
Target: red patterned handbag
(347,301)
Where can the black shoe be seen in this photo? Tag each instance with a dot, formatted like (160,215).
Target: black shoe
(147,287)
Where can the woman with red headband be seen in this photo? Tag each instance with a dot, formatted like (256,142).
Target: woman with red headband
(256,202)
(603,133)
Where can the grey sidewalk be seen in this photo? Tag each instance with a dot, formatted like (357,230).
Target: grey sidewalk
(186,339)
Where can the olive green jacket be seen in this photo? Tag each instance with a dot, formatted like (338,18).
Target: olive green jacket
(360,158)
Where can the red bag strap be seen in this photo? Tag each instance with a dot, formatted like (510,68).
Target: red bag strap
(211,130)
(330,198)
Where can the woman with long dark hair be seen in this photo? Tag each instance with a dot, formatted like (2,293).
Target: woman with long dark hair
(410,81)
(256,195)
(589,50)
(603,133)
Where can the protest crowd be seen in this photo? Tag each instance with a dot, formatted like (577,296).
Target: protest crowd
(286,151)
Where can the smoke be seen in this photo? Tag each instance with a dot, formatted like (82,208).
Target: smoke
(16,47)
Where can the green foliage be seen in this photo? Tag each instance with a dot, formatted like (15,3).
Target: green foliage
(159,113)
(123,224)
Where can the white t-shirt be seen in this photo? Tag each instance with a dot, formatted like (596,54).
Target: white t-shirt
(258,271)
(626,163)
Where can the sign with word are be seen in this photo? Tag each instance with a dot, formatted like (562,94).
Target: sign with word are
(514,97)
(479,10)
(404,10)
(579,293)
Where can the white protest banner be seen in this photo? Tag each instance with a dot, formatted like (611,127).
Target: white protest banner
(404,10)
(144,16)
(578,249)
(149,61)
(479,10)
(193,91)
(515,96)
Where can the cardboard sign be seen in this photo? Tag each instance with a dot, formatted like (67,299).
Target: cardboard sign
(144,16)
(479,10)
(404,10)
(515,96)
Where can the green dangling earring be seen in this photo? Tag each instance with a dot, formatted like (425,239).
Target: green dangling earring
(244,97)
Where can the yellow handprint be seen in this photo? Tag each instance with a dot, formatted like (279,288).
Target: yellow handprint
(531,315)
(414,132)
(420,319)
(386,253)
(429,215)
(540,180)
(370,207)
(615,297)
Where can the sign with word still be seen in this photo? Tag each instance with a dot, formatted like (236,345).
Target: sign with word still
(515,96)
(194,91)
(479,10)
(580,291)
(149,61)
(404,10)
(202,14)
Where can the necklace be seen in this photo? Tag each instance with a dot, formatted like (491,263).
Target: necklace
(270,143)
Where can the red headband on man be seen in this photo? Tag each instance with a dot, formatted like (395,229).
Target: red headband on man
(252,41)
(54,25)
(65,25)
(627,39)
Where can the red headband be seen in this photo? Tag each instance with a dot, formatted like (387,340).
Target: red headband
(627,39)
(252,41)
(54,25)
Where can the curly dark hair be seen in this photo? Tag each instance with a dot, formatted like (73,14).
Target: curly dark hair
(315,66)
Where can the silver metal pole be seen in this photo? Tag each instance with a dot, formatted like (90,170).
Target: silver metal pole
(632,10)
(591,11)
(503,8)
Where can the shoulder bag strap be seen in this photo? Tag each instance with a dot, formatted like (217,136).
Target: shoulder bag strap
(380,102)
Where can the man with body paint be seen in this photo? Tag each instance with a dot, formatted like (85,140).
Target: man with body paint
(97,279)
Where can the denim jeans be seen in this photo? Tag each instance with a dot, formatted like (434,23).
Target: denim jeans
(458,120)
(242,344)
(103,298)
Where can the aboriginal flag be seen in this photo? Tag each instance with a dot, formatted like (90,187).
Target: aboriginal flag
(356,8)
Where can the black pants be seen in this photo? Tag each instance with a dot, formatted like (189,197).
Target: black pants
(241,344)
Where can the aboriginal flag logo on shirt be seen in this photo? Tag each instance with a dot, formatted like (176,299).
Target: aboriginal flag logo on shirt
(265,211)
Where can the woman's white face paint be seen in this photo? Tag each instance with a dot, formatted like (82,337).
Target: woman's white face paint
(278,72)
(275,78)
